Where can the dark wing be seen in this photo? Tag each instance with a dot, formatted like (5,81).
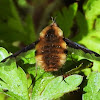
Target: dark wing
(77,49)
(25,49)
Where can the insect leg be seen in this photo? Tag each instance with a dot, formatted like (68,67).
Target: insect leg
(25,49)
(33,78)
(33,81)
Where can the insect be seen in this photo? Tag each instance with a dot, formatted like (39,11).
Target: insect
(52,48)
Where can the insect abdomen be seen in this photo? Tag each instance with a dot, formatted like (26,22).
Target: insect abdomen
(50,51)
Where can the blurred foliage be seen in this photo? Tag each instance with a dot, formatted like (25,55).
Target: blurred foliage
(20,24)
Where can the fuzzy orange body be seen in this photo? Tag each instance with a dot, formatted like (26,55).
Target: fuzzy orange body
(50,50)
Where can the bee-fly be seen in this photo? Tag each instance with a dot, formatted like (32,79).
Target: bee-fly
(51,48)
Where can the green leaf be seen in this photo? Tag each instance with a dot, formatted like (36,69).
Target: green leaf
(13,80)
(48,87)
(3,53)
(82,27)
(65,19)
(96,66)
(93,87)
(92,10)
(28,57)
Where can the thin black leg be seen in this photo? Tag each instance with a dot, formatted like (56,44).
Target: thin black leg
(25,49)
(33,81)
